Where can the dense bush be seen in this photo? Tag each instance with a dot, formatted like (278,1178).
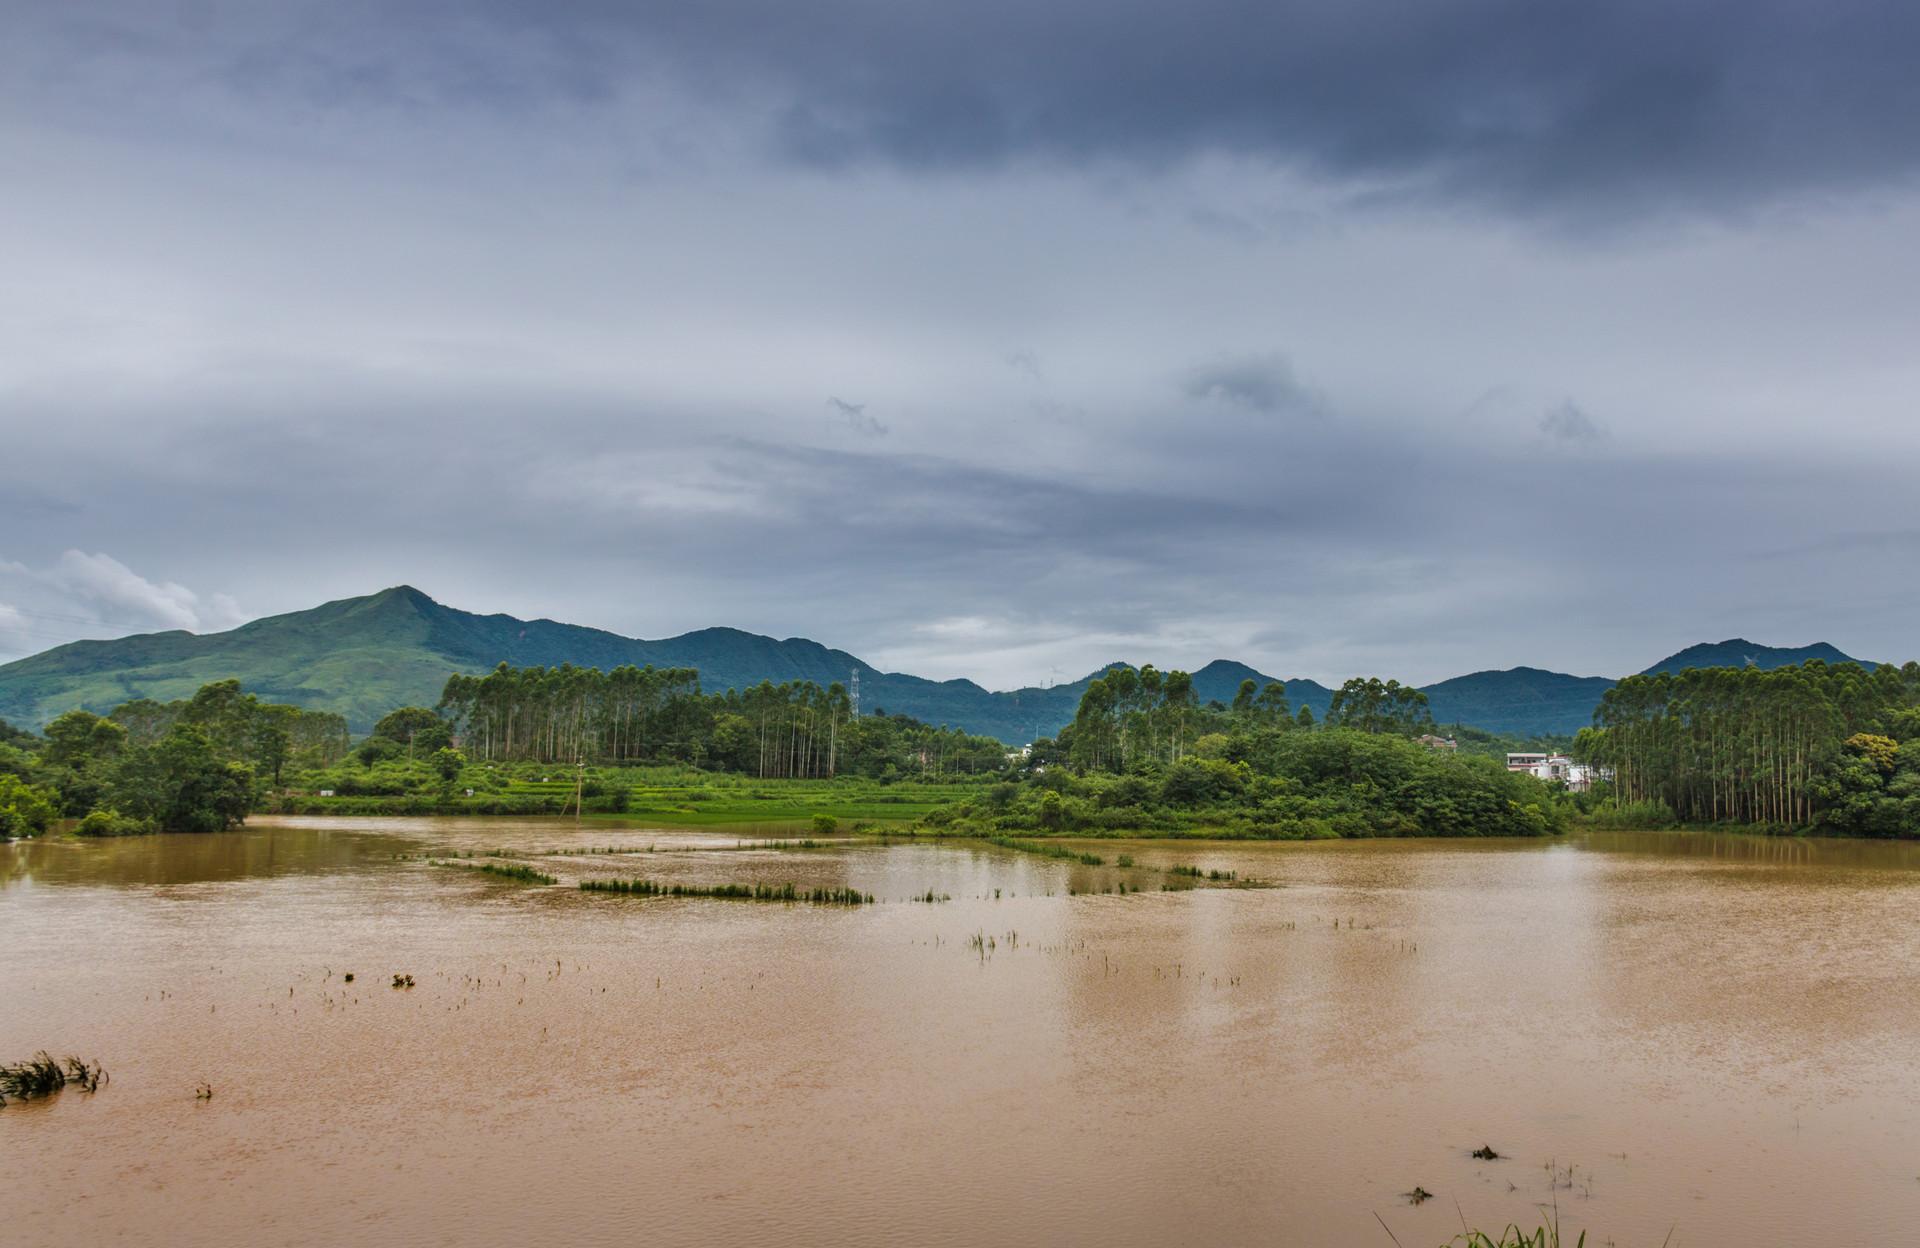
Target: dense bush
(111,822)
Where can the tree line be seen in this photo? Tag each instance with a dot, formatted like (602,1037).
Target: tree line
(794,730)
(191,765)
(1818,745)
(1143,755)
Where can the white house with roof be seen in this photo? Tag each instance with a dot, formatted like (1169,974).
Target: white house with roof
(1578,777)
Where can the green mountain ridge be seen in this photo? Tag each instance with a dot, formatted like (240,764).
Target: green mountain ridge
(362,657)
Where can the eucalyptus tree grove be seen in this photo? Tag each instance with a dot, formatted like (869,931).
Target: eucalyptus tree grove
(1751,746)
(646,714)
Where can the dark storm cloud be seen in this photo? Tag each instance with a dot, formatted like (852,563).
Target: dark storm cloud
(1569,109)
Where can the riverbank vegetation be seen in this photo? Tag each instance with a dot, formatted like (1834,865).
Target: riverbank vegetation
(1142,757)
(193,765)
(1822,748)
(1832,749)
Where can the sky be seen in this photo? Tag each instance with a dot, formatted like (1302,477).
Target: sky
(995,340)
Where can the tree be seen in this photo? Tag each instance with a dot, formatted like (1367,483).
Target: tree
(181,784)
(1373,705)
(78,739)
(447,764)
(418,728)
(25,809)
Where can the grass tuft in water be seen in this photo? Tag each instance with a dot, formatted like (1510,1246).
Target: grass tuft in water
(1514,1237)
(1046,851)
(41,1075)
(731,892)
(1195,873)
(506,871)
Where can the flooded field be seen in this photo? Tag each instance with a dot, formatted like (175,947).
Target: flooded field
(1712,1038)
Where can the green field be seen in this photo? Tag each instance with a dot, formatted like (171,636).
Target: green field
(675,796)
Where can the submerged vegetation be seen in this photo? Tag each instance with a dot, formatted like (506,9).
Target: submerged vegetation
(730,892)
(43,1075)
(505,870)
(1046,851)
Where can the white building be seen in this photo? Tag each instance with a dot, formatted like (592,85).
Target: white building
(1578,777)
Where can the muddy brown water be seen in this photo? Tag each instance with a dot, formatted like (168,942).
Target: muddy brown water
(1716,1038)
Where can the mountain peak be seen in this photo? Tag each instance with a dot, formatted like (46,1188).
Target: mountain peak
(1740,652)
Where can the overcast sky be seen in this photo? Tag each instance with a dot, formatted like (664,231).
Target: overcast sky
(995,340)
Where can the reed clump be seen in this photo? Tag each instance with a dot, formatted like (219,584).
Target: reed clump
(731,892)
(43,1075)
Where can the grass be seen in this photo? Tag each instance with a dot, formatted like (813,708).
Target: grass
(731,892)
(506,871)
(660,795)
(1195,873)
(1514,1237)
(40,1075)
(1044,850)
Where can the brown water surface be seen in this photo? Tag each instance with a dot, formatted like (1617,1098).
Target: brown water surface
(1709,1036)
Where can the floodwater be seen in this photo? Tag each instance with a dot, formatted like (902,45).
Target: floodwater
(1702,1037)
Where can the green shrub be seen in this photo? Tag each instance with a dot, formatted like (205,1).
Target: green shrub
(110,822)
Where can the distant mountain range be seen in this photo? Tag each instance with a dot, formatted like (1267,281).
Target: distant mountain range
(363,657)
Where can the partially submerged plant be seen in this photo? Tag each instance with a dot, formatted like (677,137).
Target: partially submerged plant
(41,1075)
(731,892)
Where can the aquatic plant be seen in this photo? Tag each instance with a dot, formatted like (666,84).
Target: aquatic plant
(506,871)
(1045,850)
(41,1075)
(730,892)
(1513,1237)
(1218,877)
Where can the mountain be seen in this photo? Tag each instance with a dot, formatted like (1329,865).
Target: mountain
(1525,701)
(1739,652)
(362,657)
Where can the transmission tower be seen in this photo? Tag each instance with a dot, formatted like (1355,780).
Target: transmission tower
(853,693)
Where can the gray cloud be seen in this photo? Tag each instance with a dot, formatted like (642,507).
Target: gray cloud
(1264,383)
(1565,422)
(534,306)
(855,414)
(1597,111)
